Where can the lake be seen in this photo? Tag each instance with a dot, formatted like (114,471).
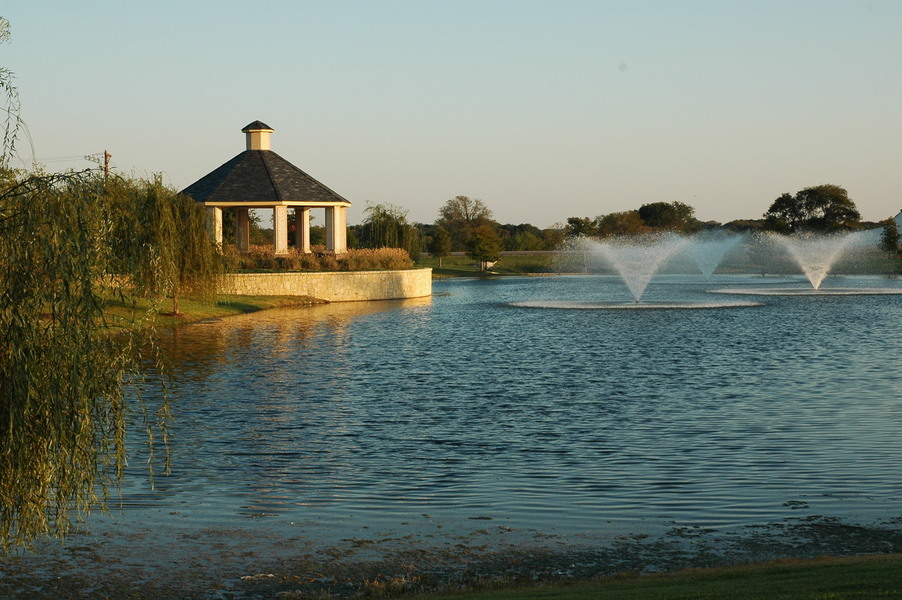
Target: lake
(512,411)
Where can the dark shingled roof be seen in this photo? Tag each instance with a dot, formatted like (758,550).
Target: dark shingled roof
(256,125)
(260,176)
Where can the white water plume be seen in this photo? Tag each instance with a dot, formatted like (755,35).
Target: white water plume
(708,253)
(637,259)
(816,254)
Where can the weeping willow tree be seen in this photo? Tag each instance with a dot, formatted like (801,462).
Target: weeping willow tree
(160,241)
(62,408)
(69,244)
(386,226)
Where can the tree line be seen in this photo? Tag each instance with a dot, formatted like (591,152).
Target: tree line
(466,224)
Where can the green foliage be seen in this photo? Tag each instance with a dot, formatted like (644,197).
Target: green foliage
(621,223)
(485,246)
(528,237)
(70,245)
(460,216)
(525,240)
(669,216)
(822,208)
(439,245)
(581,226)
(553,237)
(386,226)
(62,408)
(230,225)
(160,240)
(890,238)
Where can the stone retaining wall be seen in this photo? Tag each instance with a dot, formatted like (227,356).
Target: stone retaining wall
(334,286)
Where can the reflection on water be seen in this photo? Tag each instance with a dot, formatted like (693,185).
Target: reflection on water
(351,417)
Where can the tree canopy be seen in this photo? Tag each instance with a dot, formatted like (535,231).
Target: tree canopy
(669,216)
(890,236)
(439,245)
(485,246)
(460,216)
(822,208)
(581,227)
(620,223)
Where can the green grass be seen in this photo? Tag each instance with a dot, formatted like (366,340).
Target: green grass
(513,264)
(869,577)
(126,313)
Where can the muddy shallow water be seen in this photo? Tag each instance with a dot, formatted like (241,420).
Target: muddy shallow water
(491,432)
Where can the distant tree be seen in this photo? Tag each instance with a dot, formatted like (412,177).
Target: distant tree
(230,227)
(352,240)
(581,226)
(439,245)
(525,240)
(553,237)
(669,216)
(318,235)
(822,208)
(460,216)
(620,223)
(890,238)
(485,246)
(385,226)
(744,225)
(521,237)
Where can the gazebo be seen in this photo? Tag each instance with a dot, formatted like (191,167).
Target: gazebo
(260,178)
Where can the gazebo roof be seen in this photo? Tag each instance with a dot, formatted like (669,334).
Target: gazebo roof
(258,177)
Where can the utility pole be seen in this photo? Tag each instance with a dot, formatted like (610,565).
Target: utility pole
(105,161)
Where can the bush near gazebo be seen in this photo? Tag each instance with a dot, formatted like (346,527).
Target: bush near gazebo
(264,258)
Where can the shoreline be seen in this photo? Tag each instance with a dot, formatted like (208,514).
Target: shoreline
(250,563)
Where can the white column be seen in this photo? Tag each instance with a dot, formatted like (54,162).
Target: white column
(280,229)
(243,230)
(214,225)
(336,230)
(302,229)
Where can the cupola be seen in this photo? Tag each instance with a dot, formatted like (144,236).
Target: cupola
(257,135)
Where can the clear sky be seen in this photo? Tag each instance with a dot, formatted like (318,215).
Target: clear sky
(544,109)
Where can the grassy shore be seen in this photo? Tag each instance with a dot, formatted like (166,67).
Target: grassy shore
(459,265)
(868,261)
(850,578)
(129,312)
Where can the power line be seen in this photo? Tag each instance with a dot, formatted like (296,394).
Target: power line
(101,158)
(60,158)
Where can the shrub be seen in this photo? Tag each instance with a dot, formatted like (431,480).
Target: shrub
(263,258)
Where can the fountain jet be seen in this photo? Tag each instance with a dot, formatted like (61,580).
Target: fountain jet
(709,252)
(637,259)
(816,254)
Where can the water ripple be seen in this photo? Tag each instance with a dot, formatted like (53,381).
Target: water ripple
(478,405)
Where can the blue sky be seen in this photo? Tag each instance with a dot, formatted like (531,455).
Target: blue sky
(543,109)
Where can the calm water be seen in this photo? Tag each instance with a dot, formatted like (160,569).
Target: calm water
(356,419)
